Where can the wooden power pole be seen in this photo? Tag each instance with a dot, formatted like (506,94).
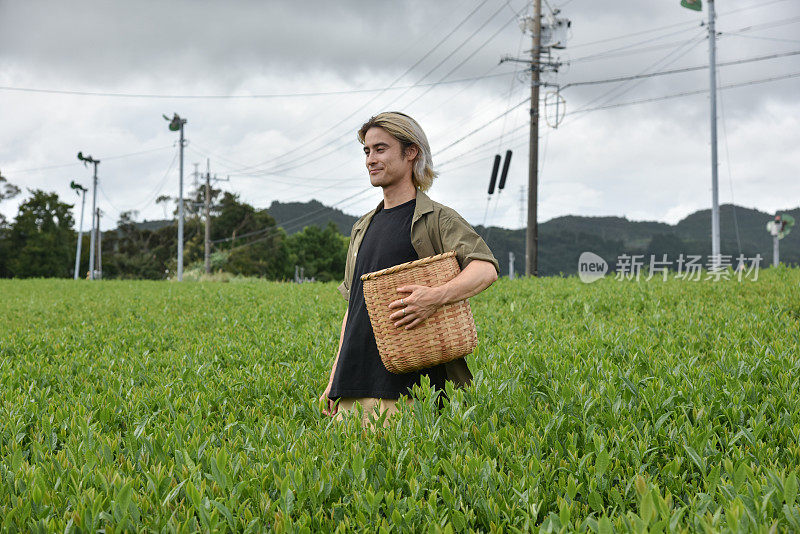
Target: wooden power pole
(532,233)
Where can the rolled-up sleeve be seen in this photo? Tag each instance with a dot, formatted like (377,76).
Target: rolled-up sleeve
(458,235)
(345,291)
(344,287)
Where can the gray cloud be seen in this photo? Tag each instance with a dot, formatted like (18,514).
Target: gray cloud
(645,161)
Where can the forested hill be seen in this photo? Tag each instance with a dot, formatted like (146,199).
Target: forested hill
(561,240)
(294,216)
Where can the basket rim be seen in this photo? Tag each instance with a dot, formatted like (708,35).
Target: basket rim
(407,265)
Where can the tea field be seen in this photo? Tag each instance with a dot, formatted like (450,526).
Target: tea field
(611,407)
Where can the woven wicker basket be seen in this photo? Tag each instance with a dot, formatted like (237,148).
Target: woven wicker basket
(446,335)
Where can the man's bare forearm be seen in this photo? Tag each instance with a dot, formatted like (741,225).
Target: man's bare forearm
(476,276)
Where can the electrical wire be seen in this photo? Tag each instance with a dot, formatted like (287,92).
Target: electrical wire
(678,52)
(762,38)
(463,43)
(240,97)
(682,70)
(728,158)
(664,62)
(120,156)
(451,71)
(669,26)
(479,128)
(689,93)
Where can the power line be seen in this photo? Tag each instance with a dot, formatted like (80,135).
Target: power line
(120,156)
(451,71)
(479,128)
(681,70)
(627,50)
(241,97)
(342,121)
(461,45)
(763,38)
(628,103)
(689,93)
(678,53)
(668,26)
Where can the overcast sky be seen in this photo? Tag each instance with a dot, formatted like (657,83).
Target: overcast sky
(645,161)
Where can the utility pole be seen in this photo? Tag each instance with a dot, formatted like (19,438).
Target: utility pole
(99,248)
(534,26)
(79,189)
(176,124)
(93,235)
(532,233)
(208,218)
(712,56)
(696,5)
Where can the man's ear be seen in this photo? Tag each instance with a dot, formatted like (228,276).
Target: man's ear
(412,151)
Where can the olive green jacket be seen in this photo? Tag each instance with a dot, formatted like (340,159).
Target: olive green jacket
(434,229)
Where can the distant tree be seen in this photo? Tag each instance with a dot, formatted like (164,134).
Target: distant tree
(264,256)
(130,254)
(7,191)
(42,238)
(321,253)
(669,244)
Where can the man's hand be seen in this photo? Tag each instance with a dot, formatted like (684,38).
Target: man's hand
(420,303)
(423,301)
(328,406)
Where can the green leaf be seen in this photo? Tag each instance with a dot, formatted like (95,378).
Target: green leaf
(696,459)
(646,510)
(604,526)
(124,496)
(790,489)
(596,502)
(602,462)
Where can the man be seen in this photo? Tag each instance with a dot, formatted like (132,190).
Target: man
(406,225)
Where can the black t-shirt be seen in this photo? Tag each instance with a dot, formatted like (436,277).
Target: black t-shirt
(360,371)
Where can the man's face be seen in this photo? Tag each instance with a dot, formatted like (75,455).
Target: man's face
(385,161)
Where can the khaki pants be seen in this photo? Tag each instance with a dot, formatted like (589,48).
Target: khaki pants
(370,405)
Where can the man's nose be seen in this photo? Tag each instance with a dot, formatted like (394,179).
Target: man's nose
(370,159)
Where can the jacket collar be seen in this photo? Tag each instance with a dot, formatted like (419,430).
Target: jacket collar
(424,205)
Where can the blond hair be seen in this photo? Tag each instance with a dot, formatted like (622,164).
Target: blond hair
(409,133)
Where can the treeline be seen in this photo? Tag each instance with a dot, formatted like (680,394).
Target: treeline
(41,242)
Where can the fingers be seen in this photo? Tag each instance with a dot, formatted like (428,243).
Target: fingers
(403,320)
(414,323)
(399,315)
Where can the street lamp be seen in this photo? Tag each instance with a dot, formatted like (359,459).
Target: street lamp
(176,124)
(92,237)
(80,190)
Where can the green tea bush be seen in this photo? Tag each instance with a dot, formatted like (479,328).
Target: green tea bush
(616,406)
